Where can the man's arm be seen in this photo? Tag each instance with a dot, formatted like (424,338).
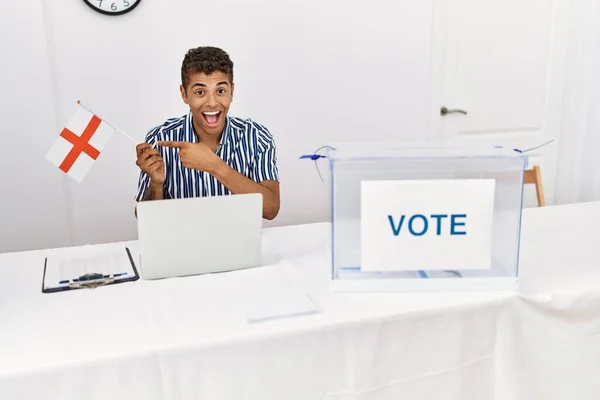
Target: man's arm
(153,192)
(238,184)
(198,156)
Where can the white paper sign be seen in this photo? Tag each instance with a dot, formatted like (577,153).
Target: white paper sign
(426,224)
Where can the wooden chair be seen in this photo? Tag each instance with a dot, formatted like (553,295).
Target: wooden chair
(534,176)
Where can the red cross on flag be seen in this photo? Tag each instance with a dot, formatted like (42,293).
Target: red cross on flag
(80,143)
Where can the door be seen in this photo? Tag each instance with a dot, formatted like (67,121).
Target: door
(500,74)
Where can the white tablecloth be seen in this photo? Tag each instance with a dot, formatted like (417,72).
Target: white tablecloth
(187,338)
(549,335)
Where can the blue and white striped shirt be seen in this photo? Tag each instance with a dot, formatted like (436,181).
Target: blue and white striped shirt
(245,146)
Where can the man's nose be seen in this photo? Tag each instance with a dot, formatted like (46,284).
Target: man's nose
(211,100)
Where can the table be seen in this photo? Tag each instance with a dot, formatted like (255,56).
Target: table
(186,338)
(549,333)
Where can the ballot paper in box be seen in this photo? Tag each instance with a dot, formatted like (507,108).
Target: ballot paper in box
(424,217)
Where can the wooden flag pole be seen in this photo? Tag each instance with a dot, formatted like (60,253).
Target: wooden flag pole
(135,142)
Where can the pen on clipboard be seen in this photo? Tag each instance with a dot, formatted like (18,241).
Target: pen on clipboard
(93,278)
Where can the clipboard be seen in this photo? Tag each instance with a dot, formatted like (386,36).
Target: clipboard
(93,279)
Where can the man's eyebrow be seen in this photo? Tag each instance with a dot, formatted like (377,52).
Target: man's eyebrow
(203,85)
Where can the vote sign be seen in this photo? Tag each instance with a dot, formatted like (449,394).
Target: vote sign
(426,224)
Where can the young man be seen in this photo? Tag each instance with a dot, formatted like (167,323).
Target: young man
(207,152)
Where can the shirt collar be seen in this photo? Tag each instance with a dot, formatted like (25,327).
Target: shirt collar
(226,131)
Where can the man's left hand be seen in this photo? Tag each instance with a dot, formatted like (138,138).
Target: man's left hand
(195,155)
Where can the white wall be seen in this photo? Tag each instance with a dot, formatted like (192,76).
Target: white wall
(33,213)
(312,71)
(578,177)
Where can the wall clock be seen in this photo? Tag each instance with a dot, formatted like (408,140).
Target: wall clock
(112,7)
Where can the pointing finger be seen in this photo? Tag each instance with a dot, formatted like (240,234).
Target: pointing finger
(170,143)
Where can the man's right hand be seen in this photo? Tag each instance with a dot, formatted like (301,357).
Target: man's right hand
(150,161)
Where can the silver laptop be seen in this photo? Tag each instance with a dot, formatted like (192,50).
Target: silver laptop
(199,235)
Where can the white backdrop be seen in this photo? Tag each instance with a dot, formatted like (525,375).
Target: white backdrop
(33,212)
(313,72)
(578,177)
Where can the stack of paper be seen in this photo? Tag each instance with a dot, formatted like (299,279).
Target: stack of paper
(273,292)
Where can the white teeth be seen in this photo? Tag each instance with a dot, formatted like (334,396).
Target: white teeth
(210,112)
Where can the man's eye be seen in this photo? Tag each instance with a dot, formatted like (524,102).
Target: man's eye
(222,91)
(199,92)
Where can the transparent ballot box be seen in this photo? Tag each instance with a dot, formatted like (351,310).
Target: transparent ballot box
(425,217)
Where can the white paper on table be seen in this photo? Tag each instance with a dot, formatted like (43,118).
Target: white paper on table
(272,292)
(61,268)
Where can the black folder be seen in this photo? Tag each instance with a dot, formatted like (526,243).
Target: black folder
(90,280)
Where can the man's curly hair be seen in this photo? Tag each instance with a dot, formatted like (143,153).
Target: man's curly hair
(207,60)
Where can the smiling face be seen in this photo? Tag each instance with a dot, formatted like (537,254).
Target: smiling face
(209,97)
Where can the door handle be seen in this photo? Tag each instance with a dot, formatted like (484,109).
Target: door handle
(445,111)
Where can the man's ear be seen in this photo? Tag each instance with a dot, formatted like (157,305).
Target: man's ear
(183,94)
(232,90)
